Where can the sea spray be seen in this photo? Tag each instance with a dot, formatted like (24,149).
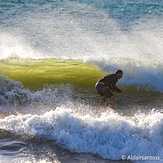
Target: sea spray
(110,34)
(13,93)
(109,135)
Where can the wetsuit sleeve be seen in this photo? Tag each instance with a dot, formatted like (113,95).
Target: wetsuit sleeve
(113,85)
(116,89)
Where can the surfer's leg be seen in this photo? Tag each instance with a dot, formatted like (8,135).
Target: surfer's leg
(106,94)
(104,101)
(113,102)
(109,98)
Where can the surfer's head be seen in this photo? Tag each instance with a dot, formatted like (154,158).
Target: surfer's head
(119,74)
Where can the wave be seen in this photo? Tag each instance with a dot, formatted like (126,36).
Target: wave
(112,35)
(13,93)
(91,31)
(109,135)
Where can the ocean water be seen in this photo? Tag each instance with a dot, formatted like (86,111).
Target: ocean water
(50,125)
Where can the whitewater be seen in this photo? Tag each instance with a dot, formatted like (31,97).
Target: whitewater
(110,34)
(56,123)
(77,126)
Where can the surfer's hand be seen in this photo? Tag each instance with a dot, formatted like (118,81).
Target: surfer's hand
(116,89)
(119,91)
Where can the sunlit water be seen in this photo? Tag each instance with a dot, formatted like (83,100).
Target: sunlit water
(53,125)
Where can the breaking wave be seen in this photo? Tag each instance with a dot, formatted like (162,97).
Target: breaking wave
(109,135)
(110,34)
(13,93)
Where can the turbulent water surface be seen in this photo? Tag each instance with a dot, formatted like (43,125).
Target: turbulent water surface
(60,124)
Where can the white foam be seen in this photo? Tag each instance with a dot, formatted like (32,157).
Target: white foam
(25,159)
(73,30)
(109,135)
(16,46)
(13,92)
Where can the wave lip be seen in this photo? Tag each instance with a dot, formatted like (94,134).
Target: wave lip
(110,135)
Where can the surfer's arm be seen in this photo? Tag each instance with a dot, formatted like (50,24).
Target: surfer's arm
(116,89)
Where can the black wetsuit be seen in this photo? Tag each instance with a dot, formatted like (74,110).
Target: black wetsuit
(107,85)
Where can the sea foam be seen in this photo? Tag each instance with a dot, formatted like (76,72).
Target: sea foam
(109,135)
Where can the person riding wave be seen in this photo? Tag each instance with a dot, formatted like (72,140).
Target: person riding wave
(107,85)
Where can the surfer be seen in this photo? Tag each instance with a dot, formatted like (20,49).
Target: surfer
(107,85)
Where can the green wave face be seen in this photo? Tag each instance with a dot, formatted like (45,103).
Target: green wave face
(35,74)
